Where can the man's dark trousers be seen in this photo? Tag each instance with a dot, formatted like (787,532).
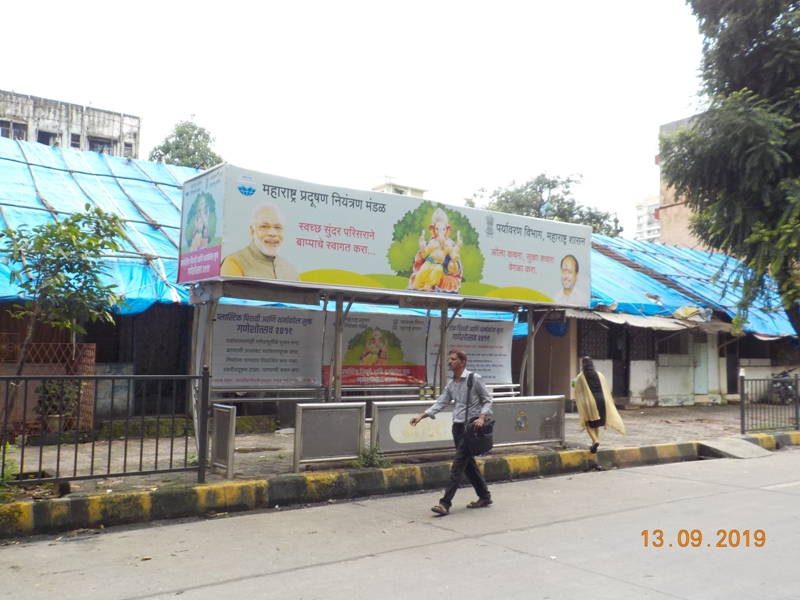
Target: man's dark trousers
(463,464)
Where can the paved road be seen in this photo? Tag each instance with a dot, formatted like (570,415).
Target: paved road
(565,537)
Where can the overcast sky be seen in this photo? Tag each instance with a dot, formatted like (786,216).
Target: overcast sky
(446,96)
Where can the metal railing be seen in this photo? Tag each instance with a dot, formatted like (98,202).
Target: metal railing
(768,404)
(136,425)
(503,390)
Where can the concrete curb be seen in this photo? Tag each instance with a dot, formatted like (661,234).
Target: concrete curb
(92,510)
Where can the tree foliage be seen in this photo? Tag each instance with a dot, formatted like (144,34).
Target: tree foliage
(59,269)
(546,197)
(187,145)
(738,166)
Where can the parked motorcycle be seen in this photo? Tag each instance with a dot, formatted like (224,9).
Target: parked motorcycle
(783,391)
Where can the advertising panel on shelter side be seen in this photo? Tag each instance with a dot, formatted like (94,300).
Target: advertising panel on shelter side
(201,226)
(289,230)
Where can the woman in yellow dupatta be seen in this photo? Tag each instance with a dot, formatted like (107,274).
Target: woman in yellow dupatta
(595,405)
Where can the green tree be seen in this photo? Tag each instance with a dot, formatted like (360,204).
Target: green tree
(59,269)
(546,197)
(187,145)
(738,165)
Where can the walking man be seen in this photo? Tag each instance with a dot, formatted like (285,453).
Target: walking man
(473,404)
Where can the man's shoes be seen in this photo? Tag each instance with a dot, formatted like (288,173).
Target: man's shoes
(593,449)
(480,503)
(441,510)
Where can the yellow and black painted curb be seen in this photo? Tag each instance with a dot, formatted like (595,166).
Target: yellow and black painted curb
(774,441)
(118,508)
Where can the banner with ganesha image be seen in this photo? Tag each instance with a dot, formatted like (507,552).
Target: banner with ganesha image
(275,228)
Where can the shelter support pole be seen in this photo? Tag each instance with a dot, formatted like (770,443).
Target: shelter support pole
(529,357)
(197,326)
(443,352)
(208,338)
(337,361)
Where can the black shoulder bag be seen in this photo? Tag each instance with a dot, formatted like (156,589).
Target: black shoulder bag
(478,441)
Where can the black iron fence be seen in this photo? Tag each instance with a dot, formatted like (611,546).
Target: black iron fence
(769,404)
(97,426)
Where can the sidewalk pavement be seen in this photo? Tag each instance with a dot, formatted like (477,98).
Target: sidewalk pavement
(263,477)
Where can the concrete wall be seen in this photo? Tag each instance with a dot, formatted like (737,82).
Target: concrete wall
(606,367)
(28,398)
(674,226)
(644,383)
(760,372)
(673,214)
(675,386)
(722,370)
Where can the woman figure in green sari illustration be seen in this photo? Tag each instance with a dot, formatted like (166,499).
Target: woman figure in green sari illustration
(437,265)
(200,234)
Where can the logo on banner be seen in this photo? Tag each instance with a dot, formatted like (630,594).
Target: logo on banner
(521,423)
(247,185)
(490,225)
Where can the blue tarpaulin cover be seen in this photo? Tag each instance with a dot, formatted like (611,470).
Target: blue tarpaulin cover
(696,271)
(36,180)
(634,293)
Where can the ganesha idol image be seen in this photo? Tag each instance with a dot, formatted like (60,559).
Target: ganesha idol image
(437,265)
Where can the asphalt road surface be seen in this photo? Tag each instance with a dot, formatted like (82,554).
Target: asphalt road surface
(569,537)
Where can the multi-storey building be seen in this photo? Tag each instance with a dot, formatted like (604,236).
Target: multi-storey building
(391,187)
(56,123)
(673,213)
(647,225)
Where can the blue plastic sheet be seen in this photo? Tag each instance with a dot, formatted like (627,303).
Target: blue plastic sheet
(35,178)
(633,292)
(696,271)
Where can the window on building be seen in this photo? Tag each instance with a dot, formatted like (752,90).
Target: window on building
(675,349)
(127,150)
(754,352)
(15,131)
(593,340)
(642,344)
(400,191)
(100,145)
(19,131)
(47,138)
(75,141)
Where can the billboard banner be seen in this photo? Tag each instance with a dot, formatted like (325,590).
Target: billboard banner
(380,350)
(266,347)
(274,347)
(201,226)
(487,344)
(284,229)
